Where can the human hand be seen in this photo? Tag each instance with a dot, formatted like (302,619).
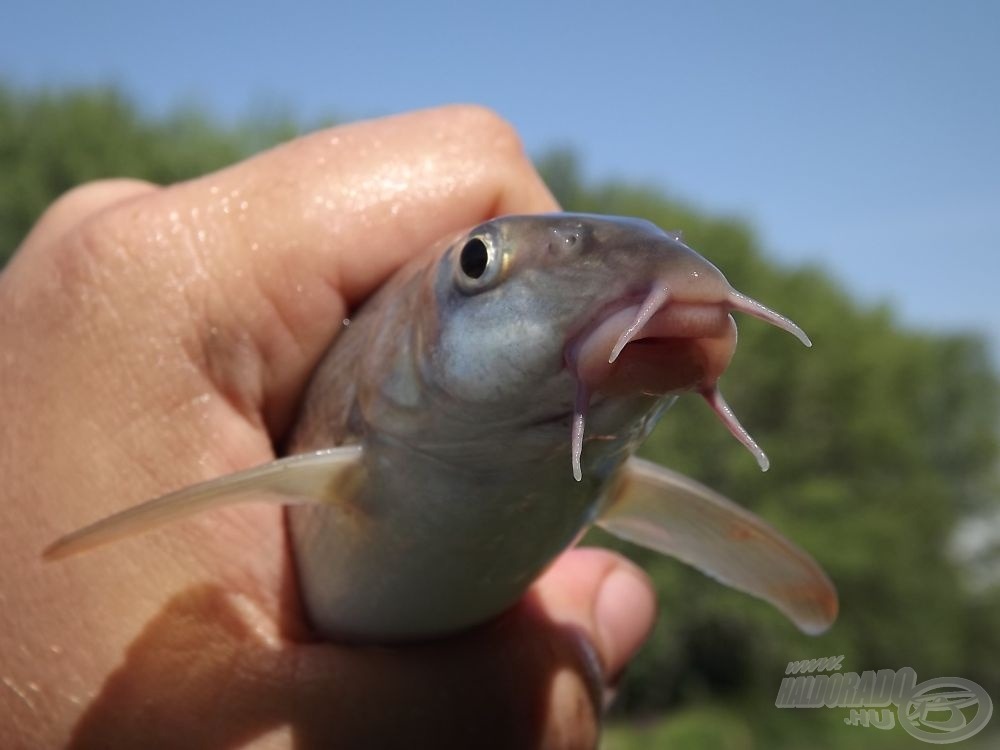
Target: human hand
(155,337)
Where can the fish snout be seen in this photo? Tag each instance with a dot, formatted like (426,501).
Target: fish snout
(681,337)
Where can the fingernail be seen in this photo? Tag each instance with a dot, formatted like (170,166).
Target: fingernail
(624,614)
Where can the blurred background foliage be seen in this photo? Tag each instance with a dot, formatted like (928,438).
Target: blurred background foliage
(883,442)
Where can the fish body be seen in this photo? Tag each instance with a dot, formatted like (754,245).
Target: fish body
(482,410)
(462,403)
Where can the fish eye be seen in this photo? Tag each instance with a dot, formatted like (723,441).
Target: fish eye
(474,259)
(479,264)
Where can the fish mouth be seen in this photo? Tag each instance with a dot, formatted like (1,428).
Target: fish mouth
(682,347)
(663,345)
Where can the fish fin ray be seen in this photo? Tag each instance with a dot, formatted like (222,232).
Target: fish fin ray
(306,478)
(672,514)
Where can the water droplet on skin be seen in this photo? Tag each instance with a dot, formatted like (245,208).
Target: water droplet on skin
(214,190)
(201,235)
(18,692)
(173,216)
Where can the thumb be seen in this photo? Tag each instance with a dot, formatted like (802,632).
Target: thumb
(532,679)
(537,677)
(606,597)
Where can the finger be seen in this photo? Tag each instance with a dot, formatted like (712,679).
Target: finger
(522,682)
(537,676)
(354,202)
(605,596)
(527,680)
(276,249)
(80,203)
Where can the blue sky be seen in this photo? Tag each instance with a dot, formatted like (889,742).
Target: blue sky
(864,136)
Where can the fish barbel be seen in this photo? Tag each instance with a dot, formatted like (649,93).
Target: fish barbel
(482,409)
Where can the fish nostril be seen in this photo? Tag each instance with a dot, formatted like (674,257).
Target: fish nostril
(569,238)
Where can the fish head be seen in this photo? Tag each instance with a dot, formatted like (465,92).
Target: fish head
(543,315)
(523,298)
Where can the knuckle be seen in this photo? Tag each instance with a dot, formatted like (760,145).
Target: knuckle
(83,250)
(91,197)
(103,237)
(79,213)
(491,128)
(96,232)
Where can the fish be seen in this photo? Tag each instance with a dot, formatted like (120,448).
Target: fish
(482,409)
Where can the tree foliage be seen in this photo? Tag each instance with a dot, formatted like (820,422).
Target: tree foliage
(882,438)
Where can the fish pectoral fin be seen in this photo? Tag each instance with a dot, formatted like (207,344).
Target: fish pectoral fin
(318,477)
(670,513)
